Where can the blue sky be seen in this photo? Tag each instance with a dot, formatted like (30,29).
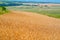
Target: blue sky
(37,0)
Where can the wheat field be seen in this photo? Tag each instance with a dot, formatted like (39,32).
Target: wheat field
(18,25)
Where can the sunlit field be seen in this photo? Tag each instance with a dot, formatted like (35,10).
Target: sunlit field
(29,23)
(50,11)
(18,25)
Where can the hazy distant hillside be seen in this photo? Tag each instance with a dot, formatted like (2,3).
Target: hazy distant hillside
(25,2)
(18,3)
(1,2)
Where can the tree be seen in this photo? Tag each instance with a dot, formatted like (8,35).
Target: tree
(2,8)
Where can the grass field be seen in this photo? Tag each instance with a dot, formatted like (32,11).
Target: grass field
(51,11)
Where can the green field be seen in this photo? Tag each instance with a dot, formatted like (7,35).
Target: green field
(51,11)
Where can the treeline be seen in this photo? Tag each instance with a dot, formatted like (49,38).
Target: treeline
(11,4)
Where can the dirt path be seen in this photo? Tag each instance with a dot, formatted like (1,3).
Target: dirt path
(19,25)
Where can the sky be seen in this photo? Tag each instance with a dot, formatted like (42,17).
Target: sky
(37,0)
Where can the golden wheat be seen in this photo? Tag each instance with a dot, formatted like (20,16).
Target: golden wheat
(28,26)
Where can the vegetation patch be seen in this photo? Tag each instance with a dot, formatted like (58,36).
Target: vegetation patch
(52,11)
(3,10)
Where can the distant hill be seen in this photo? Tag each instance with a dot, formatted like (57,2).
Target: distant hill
(1,2)
(18,3)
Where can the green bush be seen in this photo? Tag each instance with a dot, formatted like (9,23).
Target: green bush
(2,10)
